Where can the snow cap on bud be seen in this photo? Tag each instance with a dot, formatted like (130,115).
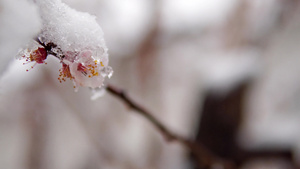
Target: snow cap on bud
(79,43)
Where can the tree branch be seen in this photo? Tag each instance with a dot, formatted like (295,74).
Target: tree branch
(205,159)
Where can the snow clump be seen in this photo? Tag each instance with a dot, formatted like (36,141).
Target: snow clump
(76,39)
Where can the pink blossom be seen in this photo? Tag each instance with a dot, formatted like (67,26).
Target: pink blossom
(83,69)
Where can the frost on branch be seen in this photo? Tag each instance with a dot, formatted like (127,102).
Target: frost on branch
(76,39)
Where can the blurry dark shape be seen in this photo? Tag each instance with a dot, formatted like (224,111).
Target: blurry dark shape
(147,49)
(222,115)
(221,118)
(289,9)
(238,28)
(246,156)
(235,30)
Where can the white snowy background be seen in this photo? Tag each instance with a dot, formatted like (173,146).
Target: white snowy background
(166,54)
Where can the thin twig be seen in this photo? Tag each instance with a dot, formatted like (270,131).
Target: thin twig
(49,47)
(205,159)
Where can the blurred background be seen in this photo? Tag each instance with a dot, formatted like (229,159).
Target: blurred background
(225,73)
